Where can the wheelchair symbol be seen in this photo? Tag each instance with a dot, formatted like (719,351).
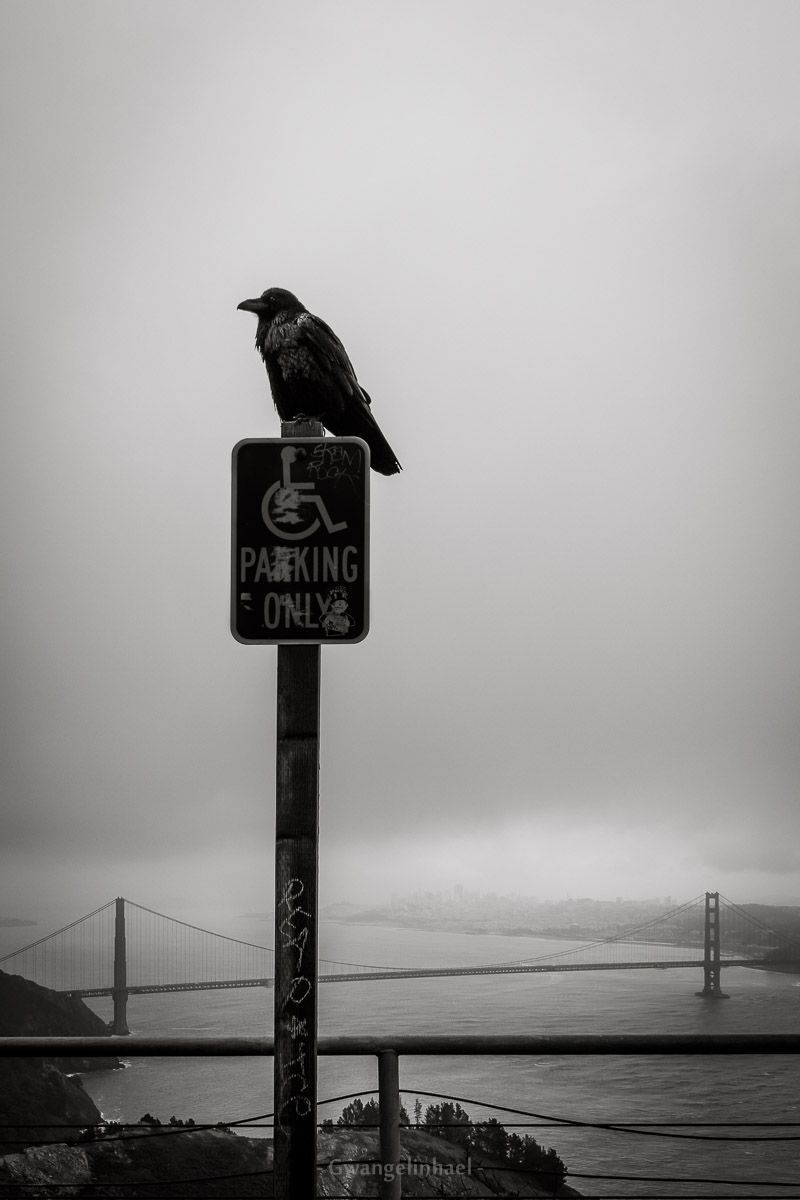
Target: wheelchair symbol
(282,502)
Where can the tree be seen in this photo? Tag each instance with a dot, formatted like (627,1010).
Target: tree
(358,1113)
(491,1139)
(449,1120)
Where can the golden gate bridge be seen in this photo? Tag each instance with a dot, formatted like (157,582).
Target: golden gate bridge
(123,949)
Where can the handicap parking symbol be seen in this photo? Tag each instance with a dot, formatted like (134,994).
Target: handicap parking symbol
(286,502)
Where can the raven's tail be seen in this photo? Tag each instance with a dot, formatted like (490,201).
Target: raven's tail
(361,423)
(382,457)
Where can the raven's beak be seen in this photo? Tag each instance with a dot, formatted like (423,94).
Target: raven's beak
(253,306)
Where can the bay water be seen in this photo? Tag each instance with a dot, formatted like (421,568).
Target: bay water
(738,1088)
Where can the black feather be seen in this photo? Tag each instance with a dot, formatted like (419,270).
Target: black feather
(310,374)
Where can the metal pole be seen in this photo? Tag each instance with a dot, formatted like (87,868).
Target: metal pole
(119,1025)
(499,1045)
(389,1105)
(296,876)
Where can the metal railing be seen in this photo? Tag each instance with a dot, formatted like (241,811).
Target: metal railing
(137,1045)
(388,1051)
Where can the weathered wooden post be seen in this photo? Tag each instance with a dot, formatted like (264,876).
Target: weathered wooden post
(296,876)
(299,578)
(296,879)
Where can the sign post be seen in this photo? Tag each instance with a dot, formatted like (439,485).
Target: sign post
(296,878)
(299,578)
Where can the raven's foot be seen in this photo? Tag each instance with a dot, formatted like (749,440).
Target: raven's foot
(308,417)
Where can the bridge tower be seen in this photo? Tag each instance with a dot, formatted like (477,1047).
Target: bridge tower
(711,950)
(119,1024)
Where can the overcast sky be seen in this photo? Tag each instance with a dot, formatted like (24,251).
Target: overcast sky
(559,240)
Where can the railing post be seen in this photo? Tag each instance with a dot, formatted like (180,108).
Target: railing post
(389,1105)
(119,1025)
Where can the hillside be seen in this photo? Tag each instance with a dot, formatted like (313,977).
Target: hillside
(43,1112)
(35,1092)
(217,1163)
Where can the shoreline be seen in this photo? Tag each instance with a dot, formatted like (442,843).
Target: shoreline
(451,929)
(598,936)
(537,935)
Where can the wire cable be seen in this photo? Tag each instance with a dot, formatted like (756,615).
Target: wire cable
(155,1131)
(560,1125)
(784,937)
(63,929)
(680,1179)
(543,1121)
(608,941)
(173,1130)
(611,1127)
(566,1122)
(480,1166)
(116,1183)
(257,1122)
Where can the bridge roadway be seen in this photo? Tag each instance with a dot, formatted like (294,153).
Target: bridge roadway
(411,973)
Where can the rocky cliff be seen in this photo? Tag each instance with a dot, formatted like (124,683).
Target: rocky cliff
(195,1163)
(28,1010)
(37,1098)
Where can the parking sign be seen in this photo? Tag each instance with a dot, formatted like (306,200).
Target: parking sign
(300,542)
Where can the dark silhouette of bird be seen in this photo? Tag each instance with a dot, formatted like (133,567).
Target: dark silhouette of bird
(310,374)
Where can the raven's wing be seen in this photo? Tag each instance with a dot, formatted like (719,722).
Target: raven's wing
(307,349)
(330,356)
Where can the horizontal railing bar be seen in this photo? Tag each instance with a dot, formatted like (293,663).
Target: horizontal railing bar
(576,1043)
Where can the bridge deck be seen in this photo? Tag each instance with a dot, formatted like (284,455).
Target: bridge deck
(420,973)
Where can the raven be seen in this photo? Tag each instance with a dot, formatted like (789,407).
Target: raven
(311,375)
